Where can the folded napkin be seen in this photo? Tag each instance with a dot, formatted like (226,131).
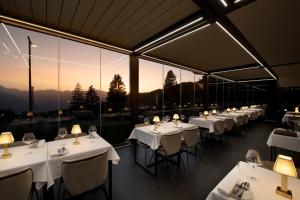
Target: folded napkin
(285,133)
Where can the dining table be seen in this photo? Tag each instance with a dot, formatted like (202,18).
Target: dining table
(207,122)
(262,184)
(46,163)
(151,136)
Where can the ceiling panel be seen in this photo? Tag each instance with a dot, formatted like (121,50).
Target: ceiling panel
(9,6)
(272,27)
(288,75)
(68,10)
(245,74)
(39,10)
(53,12)
(124,23)
(178,12)
(82,12)
(207,49)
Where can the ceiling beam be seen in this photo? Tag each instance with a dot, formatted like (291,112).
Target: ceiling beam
(186,25)
(224,22)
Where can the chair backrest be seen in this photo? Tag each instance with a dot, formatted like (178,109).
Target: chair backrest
(229,124)
(68,136)
(16,186)
(190,137)
(171,143)
(139,125)
(240,120)
(85,174)
(246,119)
(219,126)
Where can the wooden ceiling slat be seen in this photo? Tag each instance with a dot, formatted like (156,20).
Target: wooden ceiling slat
(39,10)
(68,10)
(53,12)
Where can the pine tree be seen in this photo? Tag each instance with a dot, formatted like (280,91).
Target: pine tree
(170,79)
(77,97)
(116,96)
(92,97)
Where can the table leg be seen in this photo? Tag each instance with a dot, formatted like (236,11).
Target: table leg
(271,155)
(48,194)
(110,179)
(155,163)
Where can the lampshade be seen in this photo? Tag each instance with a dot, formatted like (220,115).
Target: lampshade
(285,165)
(233,109)
(297,109)
(205,112)
(156,119)
(246,107)
(6,138)
(175,116)
(214,112)
(76,129)
(228,109)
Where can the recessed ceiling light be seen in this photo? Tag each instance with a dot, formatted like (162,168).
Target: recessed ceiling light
(170,33)
(224,3)
(236,1)
(176,38)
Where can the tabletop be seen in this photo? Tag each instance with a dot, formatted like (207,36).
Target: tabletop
(147,134)
(261,188)
(206,122)
(285,142)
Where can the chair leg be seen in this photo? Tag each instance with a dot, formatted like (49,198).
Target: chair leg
(180,158)
(187,159)
(59,188)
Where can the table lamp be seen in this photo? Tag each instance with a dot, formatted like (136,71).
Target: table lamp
(284,165)
(205,114)
(6,138)
(175,118)
(297,109)
(214,112)
(76,130)
(156,120)
(228,110)
(233,109)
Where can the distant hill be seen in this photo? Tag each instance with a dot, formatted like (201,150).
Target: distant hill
(44,100)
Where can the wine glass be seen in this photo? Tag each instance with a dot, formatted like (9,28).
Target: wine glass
(92,130)
(28,138)
(254,159)
(182,117)
(62,132)
(146,121)
(167,118)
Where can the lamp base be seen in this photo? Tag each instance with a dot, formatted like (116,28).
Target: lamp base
(4,156)
(76,142)
(287,194)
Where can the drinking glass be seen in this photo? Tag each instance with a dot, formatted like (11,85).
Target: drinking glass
(92,130)
(253,159)
(62,132)
(146,121)
(167,118)
(182,117)
(28,138)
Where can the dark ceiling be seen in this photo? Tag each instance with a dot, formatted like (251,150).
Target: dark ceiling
(270,27)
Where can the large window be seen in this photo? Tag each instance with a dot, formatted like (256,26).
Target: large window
(71,83)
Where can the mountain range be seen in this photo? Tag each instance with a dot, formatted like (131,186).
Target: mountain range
(44,100)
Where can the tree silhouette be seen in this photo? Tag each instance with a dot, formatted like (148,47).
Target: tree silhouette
(170,79)
(92,98)
(77,97)
(116,96)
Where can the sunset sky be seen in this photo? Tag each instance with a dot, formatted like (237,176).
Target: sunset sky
(70,62)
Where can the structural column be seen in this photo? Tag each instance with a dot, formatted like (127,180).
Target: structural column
(206,91)
(134,88)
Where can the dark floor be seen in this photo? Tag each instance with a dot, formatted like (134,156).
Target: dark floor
(130,182)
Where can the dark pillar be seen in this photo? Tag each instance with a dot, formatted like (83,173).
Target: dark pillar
(134,88)
(206,92)
(29,74)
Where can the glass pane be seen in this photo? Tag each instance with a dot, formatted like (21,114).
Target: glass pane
(115,102)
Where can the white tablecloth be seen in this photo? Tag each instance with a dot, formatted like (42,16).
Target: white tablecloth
(24,157)
(285,142)
(147,135)
(45,168)
(234,115)
(288,116)
(263,188)
(86,148)
(203,122)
